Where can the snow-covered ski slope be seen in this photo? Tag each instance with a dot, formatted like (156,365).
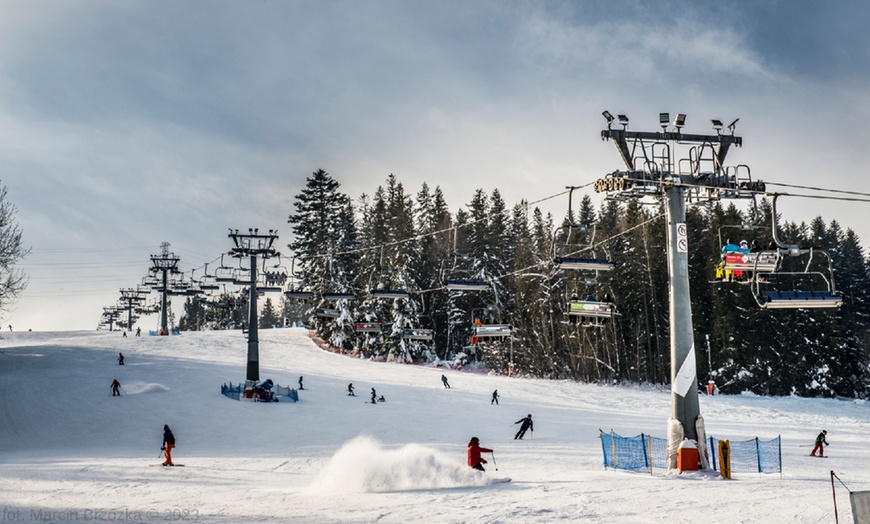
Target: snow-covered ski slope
(70,451)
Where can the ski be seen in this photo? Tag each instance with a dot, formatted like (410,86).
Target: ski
(501,480)
(171,465)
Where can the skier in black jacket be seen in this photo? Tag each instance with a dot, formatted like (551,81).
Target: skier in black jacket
(168,444)
(527,425)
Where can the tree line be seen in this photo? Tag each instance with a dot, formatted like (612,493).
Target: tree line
(391,240)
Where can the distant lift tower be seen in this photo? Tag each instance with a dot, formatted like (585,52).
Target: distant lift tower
(252,245)
(131,298)
(656,170)
(165,263)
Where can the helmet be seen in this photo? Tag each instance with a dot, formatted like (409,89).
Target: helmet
(475,439)
(825,431)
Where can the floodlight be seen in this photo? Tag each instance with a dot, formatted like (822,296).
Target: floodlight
(732,124)
(664,119)
(622,120)
(608,117)
(717,124)
(679,120)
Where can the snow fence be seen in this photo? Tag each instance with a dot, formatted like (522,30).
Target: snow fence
(238,392)
(645,452)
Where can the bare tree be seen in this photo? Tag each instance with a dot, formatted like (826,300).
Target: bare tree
(12,280)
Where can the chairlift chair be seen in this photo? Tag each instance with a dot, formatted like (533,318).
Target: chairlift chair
(565,254)
(368,327)
(764,284)
(337,295)
(460,279)
(381,290)
(426,335)
(323,312)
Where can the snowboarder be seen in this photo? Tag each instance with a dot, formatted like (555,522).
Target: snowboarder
(821,442)
(444,381)
(116,387)
(300,383)
(125,334)
(374,396)
(527,425)
(494,398)
(138,331)
(120,359)
(474,450)
(350,392)
(168,444)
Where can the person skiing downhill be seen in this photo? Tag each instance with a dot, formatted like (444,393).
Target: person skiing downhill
(821,442)
(526,425)
(494,398)
(444,381)
(168,444)
(350,392)
(374,396)
(120,359)
(475,461)
(300,383)
(116,386)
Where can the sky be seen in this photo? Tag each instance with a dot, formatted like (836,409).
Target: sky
(127,124)
(76,453)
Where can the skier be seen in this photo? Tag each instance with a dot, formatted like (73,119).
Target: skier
(350,392)
(120,359)
(494,398)
(374,396)
(474,450)
(116,386)
(527,424)
(168,444)
(444,381)
(125,334)
(138,331)
(300,383)
(821,442)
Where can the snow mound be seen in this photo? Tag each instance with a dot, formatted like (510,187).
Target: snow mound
(137,388)
(364,465)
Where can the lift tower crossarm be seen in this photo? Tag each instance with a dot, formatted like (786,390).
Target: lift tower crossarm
(621,138)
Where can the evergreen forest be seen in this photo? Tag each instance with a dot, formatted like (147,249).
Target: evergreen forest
(395,240)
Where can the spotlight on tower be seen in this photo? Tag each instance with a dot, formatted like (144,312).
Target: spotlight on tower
(732,125)
(623,120)
(679,121)
(609,118)
(664,120)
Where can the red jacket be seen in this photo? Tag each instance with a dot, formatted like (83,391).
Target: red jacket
(474,451)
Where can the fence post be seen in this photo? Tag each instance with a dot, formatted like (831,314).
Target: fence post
(713,454)
(779,445)
(649,447)
(603,449)
(758,453)
(613,448)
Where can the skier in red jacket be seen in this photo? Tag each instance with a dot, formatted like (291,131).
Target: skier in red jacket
(474,450)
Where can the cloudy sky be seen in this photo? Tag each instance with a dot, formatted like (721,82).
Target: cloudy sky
(124,124)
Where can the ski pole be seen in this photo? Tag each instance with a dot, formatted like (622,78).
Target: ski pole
(494,463)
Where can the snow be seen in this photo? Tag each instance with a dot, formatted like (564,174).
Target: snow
(71,452)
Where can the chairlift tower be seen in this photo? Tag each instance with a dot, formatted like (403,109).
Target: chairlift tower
(654,169)
(132,297)
(253,245)
(165,263)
